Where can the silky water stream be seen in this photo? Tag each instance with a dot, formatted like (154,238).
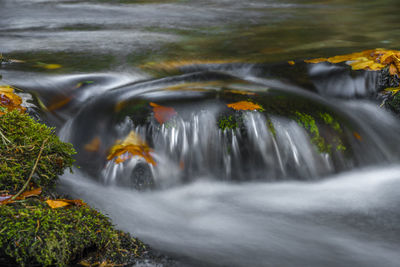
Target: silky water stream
(308,180)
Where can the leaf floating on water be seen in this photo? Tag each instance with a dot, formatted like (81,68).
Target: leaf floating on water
(94,145)
(245,105)
(132,145)
(161,113)
(375,59)
(9,100)
(357,135)
(59,203)
(48,66)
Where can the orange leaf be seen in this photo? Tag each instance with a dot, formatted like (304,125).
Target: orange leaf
(94,145)
(161,113)
(245,105)
(291,62)
(131,146)
(393,70)
(357,135)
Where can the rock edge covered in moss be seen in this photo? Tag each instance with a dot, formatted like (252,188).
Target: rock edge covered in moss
(34,234)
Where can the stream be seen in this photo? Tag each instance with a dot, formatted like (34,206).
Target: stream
(308,178)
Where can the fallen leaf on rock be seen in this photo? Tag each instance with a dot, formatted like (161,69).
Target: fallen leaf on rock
(245,105)
(132,145)
(9,100)
(375,59)
(161,113)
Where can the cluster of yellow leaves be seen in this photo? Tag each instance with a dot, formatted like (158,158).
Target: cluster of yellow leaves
(375,59)
(161,113)
(245,105)
(132,145)
(9,100)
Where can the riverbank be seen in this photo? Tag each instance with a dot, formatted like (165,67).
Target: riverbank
(40,227)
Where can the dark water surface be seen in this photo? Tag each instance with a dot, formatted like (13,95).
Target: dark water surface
(312,180)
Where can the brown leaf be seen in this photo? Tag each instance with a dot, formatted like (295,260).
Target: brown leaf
(245,105)
(132,145)
(161,113)
(32,193)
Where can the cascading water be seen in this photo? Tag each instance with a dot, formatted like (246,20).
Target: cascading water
(195,208)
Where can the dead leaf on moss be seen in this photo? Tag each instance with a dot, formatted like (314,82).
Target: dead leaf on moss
(161,113)
(59,203)
(132,145)
(6,199)
(245,105)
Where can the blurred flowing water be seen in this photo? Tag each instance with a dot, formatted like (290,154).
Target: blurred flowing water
(310,180)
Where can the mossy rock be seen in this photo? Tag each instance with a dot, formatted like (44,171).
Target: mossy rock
(34,234)
(19,149)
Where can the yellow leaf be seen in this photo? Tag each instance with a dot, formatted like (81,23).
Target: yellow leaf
(54,204)
(245,105)
(132,145)
(291,62)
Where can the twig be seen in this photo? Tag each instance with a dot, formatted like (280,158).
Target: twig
(4,138)
(32,172)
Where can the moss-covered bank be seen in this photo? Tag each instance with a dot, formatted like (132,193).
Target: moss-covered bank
(31,232)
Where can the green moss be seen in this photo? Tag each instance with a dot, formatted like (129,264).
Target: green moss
(19,151)
(308,122)
(33,233)
(228,122)
(329,120)
(270,126)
